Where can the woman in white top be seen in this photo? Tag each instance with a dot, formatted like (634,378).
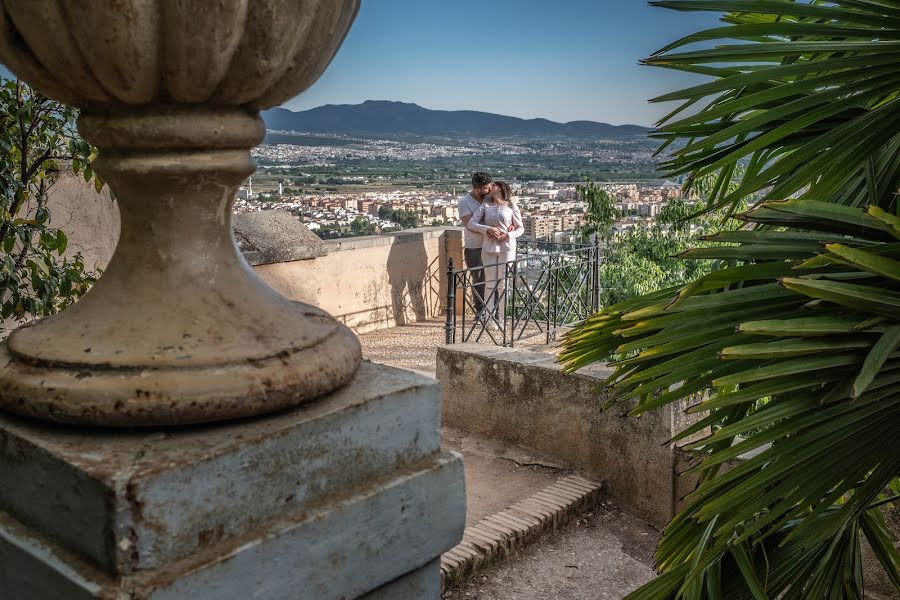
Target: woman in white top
(500,221)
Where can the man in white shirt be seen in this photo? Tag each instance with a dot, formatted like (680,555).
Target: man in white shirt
(472,240)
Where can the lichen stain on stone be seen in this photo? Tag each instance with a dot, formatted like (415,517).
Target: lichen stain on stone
(208,537)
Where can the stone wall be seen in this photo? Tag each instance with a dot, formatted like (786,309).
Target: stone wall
(373,282)
(522,397)
(90,220)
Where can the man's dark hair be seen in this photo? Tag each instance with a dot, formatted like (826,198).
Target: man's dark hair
(479,179)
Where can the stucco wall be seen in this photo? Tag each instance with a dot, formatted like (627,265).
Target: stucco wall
(90,220)
(373,282)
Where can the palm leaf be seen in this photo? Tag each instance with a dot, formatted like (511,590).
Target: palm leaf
(815,90)
(794,345)
(827,377)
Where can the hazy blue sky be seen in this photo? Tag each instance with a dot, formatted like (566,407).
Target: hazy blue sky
(560,59)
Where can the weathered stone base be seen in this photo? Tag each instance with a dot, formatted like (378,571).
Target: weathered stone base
(348,497)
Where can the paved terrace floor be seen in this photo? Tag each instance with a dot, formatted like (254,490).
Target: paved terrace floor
(605,555)
(414,346)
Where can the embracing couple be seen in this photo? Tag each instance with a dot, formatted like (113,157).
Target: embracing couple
(492,222)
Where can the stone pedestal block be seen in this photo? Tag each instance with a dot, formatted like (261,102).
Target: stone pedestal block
(345,498)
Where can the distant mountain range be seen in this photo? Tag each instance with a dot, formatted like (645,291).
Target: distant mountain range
(385,118)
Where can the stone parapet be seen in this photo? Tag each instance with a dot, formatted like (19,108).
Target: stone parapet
(374,282)
(522,397)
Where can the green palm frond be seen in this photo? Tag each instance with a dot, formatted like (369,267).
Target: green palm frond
(799,359)
(806,95)
(791,351)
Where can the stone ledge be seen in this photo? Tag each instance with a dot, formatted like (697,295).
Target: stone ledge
(385,239)
(522,397)
(507,532)
(541,357)
(272,236)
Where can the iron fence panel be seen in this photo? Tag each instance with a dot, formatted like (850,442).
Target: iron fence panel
(547,287)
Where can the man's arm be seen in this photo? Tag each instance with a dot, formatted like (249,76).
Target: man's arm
(465,213)
(476,223)
(465,222)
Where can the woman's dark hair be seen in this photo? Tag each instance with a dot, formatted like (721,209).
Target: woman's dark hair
(479,179)
(504,188)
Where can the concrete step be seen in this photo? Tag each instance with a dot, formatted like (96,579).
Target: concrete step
(507,532)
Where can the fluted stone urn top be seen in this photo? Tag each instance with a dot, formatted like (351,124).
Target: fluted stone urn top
(179,329)
(109,54)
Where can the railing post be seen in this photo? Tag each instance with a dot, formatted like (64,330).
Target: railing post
(551,290)
(449,329)
(513,312)
(506,272)
(595,292)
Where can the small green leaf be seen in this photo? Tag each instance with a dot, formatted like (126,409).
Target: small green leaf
(792,348)
(739,552)
(61,242)
(853,296)
(868,261)
(787,367)
(805,326)
(881,351)
(885,217)
(42,215)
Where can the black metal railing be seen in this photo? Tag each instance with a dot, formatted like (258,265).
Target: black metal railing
(548,286)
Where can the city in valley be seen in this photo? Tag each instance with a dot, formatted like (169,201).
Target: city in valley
(341,186)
